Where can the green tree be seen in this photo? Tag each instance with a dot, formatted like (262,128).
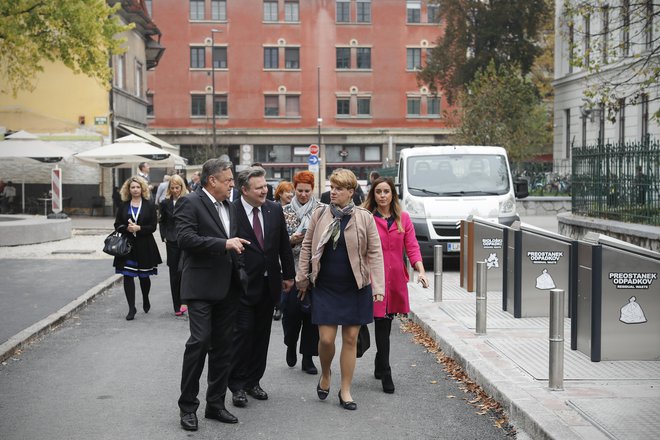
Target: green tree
(79,33)
(501,107)
(478,31)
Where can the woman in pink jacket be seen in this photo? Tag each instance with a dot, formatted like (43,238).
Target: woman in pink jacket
(396,234)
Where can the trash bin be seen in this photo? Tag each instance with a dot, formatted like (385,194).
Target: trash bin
(537,261)
(618,300)
(485,242)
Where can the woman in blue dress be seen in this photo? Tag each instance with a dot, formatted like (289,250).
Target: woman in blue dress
(341,257)
(136,217)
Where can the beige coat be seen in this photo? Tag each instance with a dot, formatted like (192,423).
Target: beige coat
(362,242)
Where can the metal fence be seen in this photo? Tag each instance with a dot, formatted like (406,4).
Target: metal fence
(617,181)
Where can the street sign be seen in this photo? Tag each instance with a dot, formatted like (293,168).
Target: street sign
(313,163)
(56,189)
(314,150)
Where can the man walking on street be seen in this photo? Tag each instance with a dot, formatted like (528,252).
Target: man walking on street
(270,269)
(212,282)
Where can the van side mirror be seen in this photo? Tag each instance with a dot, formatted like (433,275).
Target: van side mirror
(520,188)
(398,190)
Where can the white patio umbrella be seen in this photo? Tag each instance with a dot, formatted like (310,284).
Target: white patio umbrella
(128,151)
(28,147)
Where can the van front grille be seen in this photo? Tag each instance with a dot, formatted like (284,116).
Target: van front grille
(447,230)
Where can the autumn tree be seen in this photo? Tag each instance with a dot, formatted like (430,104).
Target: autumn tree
(79,33)
(501,107)
(477,32)
(618,45)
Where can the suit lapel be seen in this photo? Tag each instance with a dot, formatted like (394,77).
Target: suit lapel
(210,207)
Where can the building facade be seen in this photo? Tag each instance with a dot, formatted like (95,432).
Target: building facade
(615,36)
(81,113)
(261,80)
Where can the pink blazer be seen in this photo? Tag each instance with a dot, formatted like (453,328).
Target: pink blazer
(396,275)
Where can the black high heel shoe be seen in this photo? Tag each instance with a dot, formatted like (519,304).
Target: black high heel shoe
(351,406)
(323,394)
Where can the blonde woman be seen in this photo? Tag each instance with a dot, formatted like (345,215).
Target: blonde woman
(136,217)
(341,262)
(175,189)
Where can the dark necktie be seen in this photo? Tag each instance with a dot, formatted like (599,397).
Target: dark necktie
(256,225)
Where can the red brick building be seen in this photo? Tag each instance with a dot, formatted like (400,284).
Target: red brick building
(289,73)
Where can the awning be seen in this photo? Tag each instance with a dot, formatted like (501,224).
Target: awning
(150,137)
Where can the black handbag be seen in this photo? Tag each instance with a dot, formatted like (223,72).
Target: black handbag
(117,245)
(363,340)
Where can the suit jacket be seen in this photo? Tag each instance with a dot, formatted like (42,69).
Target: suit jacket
(209,270)
(166,222)
(276,259)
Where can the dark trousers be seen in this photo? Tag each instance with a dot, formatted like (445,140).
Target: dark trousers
(173,257)
(211,329)
(251,339)
(383,327)
(293,320)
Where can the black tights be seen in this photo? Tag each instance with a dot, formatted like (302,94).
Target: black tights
(129,289)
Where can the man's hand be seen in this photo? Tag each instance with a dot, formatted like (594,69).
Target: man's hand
(287,285)
(301,294)
(236,244)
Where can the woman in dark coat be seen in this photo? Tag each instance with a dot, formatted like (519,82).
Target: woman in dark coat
(175,189)
(137,218)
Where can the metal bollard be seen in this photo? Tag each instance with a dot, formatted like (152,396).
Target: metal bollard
(411,270)
(556,364)
(437,273)
(482,300)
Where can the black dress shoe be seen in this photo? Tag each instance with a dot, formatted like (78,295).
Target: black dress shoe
(131,314)
(388,384)
(257,393)
(291,357)
(277,315)
(189,421)
(220,414)
(323,394)
(239,399)
(308,365)
(351,406)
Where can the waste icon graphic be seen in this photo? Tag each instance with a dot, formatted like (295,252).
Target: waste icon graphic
(632,312)
(545,281)
(492,261)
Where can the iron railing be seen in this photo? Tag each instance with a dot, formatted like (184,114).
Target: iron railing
(617,181)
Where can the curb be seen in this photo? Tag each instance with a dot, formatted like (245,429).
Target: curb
(25,337)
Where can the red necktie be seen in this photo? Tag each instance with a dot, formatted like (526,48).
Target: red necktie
(256,225)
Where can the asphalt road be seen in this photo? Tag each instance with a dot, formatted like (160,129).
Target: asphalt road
(99,376)
(30,290)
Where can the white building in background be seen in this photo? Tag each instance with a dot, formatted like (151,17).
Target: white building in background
(614,39)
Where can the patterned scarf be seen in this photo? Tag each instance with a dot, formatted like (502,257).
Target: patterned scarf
(303,212)
(334,229)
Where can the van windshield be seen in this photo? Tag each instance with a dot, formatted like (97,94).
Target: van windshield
(457,175)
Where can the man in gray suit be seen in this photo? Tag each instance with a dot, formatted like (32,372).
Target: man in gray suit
(212,282)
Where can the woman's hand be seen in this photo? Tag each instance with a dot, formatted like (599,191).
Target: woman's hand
(378,297)
(296,238)
(301,294)
(132,227)
(421,279)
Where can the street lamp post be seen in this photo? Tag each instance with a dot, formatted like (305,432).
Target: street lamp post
(213,32)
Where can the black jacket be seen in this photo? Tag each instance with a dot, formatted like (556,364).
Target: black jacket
(144,251)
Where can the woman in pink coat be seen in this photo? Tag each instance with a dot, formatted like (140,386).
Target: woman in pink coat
(396,235)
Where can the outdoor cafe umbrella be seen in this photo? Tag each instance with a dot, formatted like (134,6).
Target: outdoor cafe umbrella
(128,151)
(27,146)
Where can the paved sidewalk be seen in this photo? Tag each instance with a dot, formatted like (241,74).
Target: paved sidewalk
(619,400)
(600,400)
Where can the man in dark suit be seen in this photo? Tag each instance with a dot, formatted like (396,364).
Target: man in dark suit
(212,282)
(270,269)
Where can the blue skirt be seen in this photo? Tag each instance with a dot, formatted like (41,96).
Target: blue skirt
(336,298)
(131,269)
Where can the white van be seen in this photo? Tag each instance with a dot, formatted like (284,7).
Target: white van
(440,186)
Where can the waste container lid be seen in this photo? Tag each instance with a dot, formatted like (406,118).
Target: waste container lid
(540,231)
(606,240)
(487,222)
